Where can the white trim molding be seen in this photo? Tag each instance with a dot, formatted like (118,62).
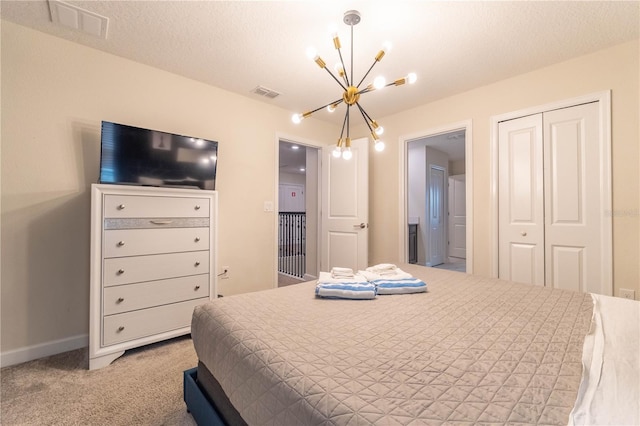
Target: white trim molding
(29,353)
(467,126)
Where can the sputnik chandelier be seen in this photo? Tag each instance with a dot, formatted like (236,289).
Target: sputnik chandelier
(352,92)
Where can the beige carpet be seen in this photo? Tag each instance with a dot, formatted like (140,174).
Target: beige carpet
(143,387)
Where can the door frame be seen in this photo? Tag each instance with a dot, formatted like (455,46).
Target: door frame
(604,103)
(307,143)
(467,126)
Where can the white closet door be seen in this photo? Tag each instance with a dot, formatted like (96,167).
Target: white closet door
(520,200)
(573,241)
(551,199)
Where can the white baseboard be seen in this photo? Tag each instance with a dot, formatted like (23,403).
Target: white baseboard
(29,353)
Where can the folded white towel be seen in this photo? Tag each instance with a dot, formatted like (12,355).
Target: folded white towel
(337,272)
(396,274)
(401,286)
(383,268)
(327,278)
(356,287)
(346,290)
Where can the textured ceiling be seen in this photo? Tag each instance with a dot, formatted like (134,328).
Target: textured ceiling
(452,46)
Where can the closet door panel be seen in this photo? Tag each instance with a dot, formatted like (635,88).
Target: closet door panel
(572,197)
(521,198)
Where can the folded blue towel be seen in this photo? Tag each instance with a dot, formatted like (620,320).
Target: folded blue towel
(346,290)
(401,286)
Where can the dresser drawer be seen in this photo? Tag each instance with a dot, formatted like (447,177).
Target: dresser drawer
(136,242)
(123,206)
(126,270)
(147,322)
(130,297)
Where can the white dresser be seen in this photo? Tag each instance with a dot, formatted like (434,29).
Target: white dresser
(153,259)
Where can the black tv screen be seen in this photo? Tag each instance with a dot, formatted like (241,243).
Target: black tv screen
(135,156)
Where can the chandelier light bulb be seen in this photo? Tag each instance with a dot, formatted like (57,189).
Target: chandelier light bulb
(333,30)
(296,118)
(337,152)
(386,46)
(379,146)
(312,53)
(411,78)
(379,82)
(379,130)
(331,108)
(347,154)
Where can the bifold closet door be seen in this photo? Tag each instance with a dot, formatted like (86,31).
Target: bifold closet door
(549,199)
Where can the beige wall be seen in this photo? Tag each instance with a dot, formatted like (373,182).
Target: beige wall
(615,68)
(55,93)
(54,96)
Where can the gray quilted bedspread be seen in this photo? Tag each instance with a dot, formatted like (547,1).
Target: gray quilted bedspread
(471,350)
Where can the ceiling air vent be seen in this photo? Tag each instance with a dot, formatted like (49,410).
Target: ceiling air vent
(267,93)
(74,17)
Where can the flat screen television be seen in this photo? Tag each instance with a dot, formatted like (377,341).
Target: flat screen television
(134,156)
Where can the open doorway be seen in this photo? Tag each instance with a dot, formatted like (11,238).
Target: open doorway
(436,200)
(298,208)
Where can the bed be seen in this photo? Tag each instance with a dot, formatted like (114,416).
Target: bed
(469,350)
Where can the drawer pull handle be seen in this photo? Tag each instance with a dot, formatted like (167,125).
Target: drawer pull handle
(162,222)
(197,207)
(120,271)
(197,239)
(197,263)
(197,288)
(120,300)
(121,207)
(121,328)
(120,243)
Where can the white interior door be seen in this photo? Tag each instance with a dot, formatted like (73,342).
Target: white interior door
(345,215)
(520,200)
(573,241)
(457,217)
(437,235)
(291,197)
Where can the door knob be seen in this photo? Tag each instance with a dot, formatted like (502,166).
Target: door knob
(524,234)
(361,226)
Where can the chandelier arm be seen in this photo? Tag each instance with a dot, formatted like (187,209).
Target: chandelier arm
(365,113)
(365,76)
(366,90)
(348,120)
(336,102)
(365,116)
(398,82)
(335,78)
(344,72)
(344,122)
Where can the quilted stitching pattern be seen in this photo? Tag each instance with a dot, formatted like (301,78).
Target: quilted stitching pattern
(469,351)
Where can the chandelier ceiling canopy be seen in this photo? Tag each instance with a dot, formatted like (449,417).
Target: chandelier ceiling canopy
(351,91)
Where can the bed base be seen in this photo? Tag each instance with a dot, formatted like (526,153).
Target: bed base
(201,408)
